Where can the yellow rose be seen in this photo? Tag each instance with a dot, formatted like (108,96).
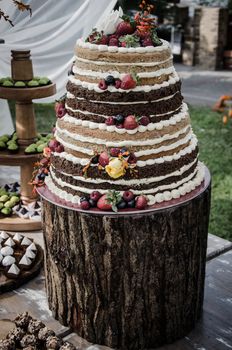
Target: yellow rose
(116,168)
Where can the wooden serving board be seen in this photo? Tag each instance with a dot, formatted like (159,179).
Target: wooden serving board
(7,284)
(15,223)
(26,93)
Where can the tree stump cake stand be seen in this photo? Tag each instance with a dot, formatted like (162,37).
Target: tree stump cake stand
(21,67)
(131,280)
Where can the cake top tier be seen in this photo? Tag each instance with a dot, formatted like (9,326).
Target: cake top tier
(81,43)
(120,33)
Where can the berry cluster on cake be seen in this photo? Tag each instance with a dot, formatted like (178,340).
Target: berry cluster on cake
(123,136)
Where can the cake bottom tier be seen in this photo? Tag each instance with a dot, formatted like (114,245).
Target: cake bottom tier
(71,189)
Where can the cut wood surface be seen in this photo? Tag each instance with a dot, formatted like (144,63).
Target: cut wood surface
(128,282)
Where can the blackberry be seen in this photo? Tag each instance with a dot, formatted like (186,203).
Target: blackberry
(131,204)
(122,204)
(84,199)
(110,80)
(95,160)
(119,119)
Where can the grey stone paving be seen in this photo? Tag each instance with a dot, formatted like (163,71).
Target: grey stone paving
(204,88)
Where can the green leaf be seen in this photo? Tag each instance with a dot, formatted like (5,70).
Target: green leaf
(130,40)
(155,38)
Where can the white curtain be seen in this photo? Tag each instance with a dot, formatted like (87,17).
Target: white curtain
(50,34)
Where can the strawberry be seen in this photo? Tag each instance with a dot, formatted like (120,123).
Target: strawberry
(144,120)
(95,196)
(102,84)
(128,82)
(141,202)
(114,152)
(128,196)
(103,204)
(124,28)
(109,121)
(123,44)
(118,83)
(113,42)
(130,122)
(104,40)
(132,159)
(147,42)
(59,149)
(61,111)
(103,159)
(58,104)
(53,144)
(85,205)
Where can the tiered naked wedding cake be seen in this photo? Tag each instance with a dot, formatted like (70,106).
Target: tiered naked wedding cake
(123,135)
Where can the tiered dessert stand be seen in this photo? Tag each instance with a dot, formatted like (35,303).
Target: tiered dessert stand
(130,280)
(22,70)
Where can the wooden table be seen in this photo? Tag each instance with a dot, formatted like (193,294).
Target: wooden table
(213,332)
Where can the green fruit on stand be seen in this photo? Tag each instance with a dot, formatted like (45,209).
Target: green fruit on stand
(2,145)
(6,211)
(5,138)
(40,142)
(3,192)
(40,148)
(33,83)
(1,205)
(14,199)
(13,147)
(8,83)
(31,148)
(14,137)
(19,84)
(9,204)
(4,198)
(44,81)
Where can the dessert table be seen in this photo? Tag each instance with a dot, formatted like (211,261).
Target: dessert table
(130,280)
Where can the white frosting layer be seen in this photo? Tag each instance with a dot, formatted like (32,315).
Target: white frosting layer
(117,75)
(113,63)
(144,88)
(140,163)
(122,182)
(148,49)
(125,143)
(174,190)
(150,127)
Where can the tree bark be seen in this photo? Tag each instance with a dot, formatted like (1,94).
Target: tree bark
(128,282)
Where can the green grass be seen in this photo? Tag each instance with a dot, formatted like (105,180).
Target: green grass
(215,142)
